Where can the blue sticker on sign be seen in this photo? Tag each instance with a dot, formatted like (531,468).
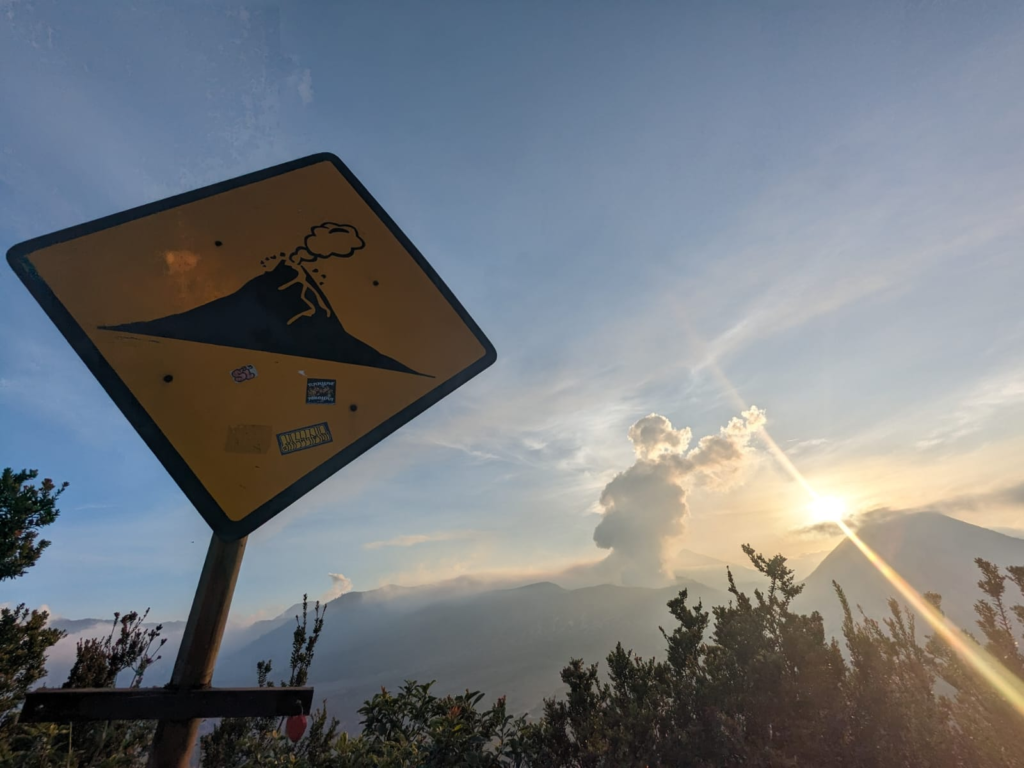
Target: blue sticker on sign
(306,437)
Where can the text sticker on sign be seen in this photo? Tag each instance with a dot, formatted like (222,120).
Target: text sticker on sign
(321,391)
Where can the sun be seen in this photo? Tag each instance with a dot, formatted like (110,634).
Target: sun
(827,509)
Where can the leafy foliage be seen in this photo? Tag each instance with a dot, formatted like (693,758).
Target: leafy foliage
(416,727)
(751,683)
(24,510)
(261,741)
(986,726)
(24,641)
(761,693)
(24,636)
(99,661)
(98,664)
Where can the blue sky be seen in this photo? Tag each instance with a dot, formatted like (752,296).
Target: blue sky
(820,203)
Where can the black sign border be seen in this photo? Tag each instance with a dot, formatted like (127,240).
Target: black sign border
(222,525)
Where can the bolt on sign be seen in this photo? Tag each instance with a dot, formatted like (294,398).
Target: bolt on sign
(260,333)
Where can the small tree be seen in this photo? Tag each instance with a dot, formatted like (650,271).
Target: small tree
(995,616)
(414,727)
(894,709)
(99,661)
(24,510)
(24,636)
(260,741)
(130,646)
(761,692)
(24,641)
(987,727)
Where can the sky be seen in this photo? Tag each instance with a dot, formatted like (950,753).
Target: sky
(803,218)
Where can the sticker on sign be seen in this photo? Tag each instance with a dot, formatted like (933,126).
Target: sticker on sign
(304,438)
(321,391)
(245,373)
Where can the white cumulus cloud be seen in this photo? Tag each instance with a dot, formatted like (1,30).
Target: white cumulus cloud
(645,507)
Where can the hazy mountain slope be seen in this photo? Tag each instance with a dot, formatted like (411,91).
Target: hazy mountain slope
(468,634)
(71,626)
(933,552)
(687,558)
(396,596)
(505,642)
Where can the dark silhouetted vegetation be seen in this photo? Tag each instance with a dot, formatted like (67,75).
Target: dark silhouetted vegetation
(751,683)
(24,510)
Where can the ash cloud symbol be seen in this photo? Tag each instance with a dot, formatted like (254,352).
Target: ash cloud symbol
(283,311)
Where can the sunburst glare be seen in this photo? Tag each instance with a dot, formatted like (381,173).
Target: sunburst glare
(827,509)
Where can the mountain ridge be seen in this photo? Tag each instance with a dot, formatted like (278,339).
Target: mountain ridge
(931,551)
(513,639)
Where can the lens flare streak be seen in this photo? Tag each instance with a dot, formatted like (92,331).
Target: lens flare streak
(977,658)
(998,676)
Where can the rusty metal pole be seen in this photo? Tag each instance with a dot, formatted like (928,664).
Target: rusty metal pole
(172,745)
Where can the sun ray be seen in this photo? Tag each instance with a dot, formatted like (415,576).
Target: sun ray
(977,658)
(986,665)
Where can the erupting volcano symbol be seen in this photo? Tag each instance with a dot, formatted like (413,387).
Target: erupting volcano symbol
(283,311)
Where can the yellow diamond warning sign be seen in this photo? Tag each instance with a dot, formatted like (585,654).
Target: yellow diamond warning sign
(260,333)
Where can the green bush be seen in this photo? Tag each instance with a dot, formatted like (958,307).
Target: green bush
(750,683)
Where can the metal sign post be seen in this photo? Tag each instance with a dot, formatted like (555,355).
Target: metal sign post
(197,654)
(180,706)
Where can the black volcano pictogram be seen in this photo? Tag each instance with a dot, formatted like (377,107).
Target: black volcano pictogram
(283,311)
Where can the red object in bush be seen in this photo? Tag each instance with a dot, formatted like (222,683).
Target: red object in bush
(294,727)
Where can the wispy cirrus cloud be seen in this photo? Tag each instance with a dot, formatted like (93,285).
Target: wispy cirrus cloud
(971,411)
(412,540)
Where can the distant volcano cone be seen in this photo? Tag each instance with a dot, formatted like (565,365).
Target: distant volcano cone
(256,317)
